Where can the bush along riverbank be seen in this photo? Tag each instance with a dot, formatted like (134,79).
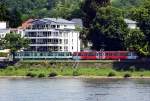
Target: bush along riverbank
(45,70)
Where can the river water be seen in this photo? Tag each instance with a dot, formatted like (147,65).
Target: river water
(74,90)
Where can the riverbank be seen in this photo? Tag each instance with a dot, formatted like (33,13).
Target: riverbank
(74,77)
(37,71)
(92,69)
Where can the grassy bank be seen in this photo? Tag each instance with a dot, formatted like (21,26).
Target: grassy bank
(69,71)
(86,68)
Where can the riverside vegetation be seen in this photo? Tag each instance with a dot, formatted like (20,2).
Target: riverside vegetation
(41,70)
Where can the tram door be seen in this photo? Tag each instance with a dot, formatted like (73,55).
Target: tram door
(97,56)
(103,55)
(100,55)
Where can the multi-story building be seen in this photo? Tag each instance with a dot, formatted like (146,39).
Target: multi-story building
(53,34)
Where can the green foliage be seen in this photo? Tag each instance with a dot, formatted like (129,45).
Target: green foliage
(16,11)
(15,42)
(107,28)
(52,74)
(67,9)
(30,74)
(135,40)
(132,68)
(41,75)
(75,73)
(3,11)
(111,74)
(126,3)
(142,16)
(3,54)
(126,75)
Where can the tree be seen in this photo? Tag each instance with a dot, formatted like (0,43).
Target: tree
(142,16)
(135,41)
(1,43)
(67,9)
(3,11)
(126,4)
(104,25)
(15,18)
(15,42)
(89,8)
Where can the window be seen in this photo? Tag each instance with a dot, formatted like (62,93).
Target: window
(65,34)
(58,26)
(65,25)
(53,26)
(65,48)
(65,41)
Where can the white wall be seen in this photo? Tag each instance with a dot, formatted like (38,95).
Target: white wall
(3,32)
(132,26)
(3,25)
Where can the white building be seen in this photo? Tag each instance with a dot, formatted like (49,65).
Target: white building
(51,34)
(3,29)
(131,24)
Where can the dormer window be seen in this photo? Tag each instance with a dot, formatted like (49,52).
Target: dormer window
(58,26)
(65,25)
(53,26)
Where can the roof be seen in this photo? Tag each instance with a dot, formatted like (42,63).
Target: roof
(26,23)
(59,20)
(50,20)
(128,21)
(78,21)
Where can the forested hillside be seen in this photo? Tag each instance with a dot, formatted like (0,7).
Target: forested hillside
(127,3)
(22,10)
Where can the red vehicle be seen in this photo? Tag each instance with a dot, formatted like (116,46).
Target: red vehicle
(107,55)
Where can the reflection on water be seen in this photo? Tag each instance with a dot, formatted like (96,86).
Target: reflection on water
(74,90)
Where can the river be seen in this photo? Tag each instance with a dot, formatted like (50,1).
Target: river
(74,90)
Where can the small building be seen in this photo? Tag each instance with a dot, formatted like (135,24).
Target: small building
(3,29)
(53,35)
(131,24)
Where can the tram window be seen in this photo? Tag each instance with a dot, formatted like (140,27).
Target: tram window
(110,54)
(62,54)
(65,54)
(49,54)
(91,54)
(129,54)
(78,54)
(107,54)
(100,54)
(116,54)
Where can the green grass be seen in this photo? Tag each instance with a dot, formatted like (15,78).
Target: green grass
(67,71)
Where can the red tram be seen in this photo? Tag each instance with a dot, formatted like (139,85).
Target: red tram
(105,55)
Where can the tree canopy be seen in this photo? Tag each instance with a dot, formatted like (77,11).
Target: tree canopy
(14,42)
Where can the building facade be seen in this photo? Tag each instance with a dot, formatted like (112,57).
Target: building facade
(3,29)
(53,35)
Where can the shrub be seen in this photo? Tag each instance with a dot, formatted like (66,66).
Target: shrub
(132,68)
(52,74)
(127,75)
(31,74)
(75,73)
(141,69)
(141,75)
(111,74)
(10,68)
(41,75)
